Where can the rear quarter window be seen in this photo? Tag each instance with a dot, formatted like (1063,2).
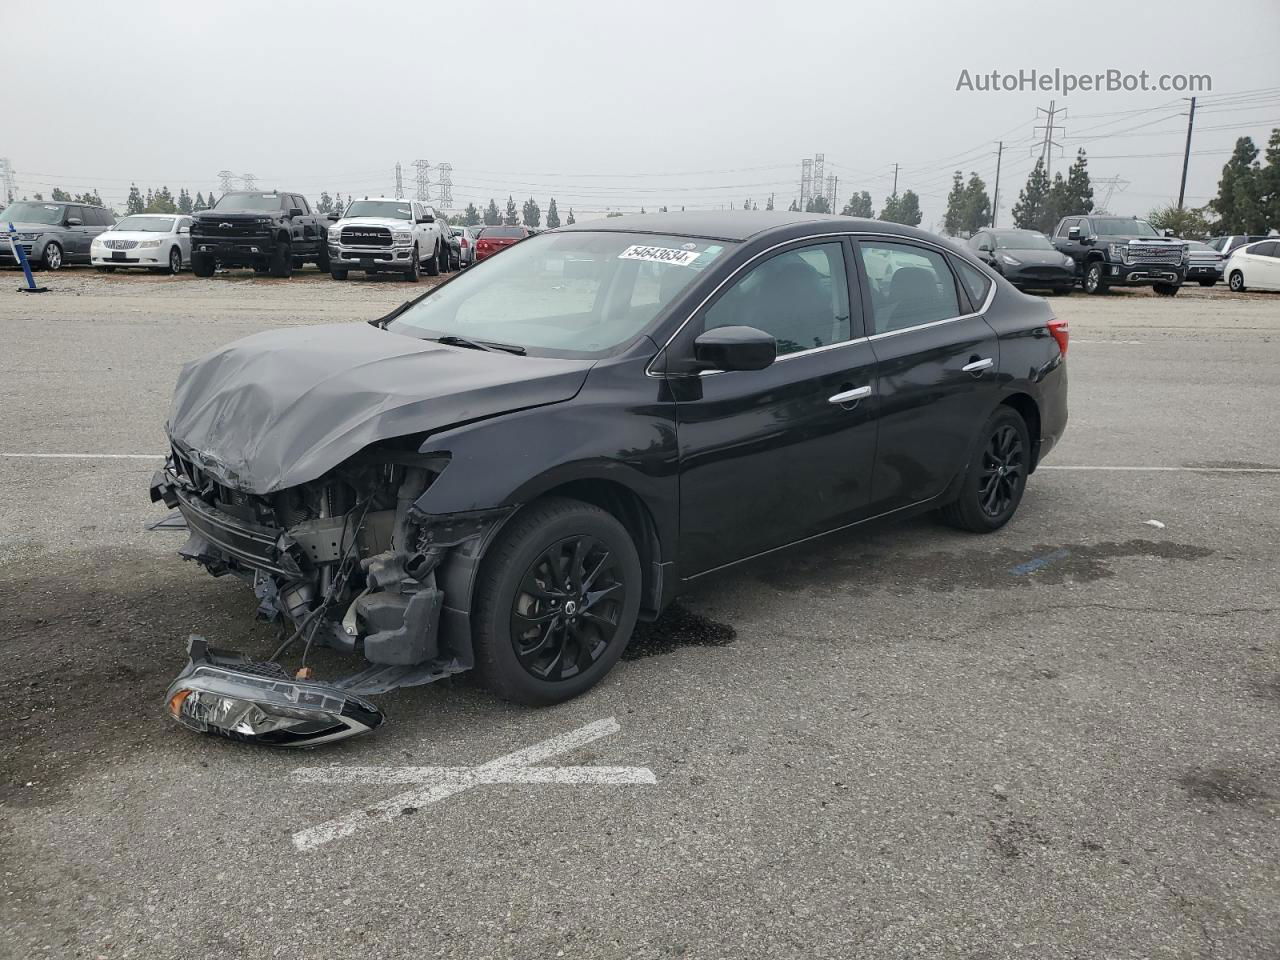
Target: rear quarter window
(976,283)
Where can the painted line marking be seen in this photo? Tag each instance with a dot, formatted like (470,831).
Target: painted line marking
(1035,563)
(439,783)
(82,456)
(1075,340)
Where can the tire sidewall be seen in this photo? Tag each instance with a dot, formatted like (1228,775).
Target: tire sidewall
(969,492)
(1236,282)
(500,578)
(172,252)
(49,263)
(1090,270)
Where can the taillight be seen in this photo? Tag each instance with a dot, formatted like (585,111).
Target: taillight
(1059,329)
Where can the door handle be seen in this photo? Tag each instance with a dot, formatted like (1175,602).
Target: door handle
(977,366)
(850,396)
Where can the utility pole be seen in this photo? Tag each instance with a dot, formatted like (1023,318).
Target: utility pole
(1046,147)
(995,196)
(1186,153)
(895,180)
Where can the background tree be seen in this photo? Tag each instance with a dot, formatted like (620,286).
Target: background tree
(1187,222)
(471,216)
(1033,202)
(769,203)
(859,205)
(90,198)
(817,205)
(325,203)
(1079,188)
(211,200)
(1239,201)
(491,215)
(60,194)
(184,201)
(531,213)
(160,202)
(794,208)
(570,219)
(1269,182)
(902,209)
(977,205)
(553,215)
(199,203)
(512,216)
(953,220)
(135,203)
(746,204)
(339,205)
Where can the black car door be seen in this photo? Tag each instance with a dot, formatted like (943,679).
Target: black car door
(937,362)
(772,456)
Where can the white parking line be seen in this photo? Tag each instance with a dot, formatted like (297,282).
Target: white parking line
(82,456)
(443,782)
(1166,469)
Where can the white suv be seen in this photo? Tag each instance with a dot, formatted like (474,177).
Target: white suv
(385,235)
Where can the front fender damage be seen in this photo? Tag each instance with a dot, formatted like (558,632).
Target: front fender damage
(349,562)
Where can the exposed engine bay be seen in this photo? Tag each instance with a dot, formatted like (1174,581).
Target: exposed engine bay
(345,561)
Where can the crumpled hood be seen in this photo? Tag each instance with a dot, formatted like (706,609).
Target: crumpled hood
(277,409)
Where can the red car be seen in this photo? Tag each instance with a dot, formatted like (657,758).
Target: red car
(493,239)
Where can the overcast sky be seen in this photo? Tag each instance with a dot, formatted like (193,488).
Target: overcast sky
(605,104)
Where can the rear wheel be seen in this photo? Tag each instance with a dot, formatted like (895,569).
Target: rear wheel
(432,266)
(202,264)
(1166,289)
(556,602)
(1093,278)
(444,258)
(997,475)
(282,260)
(1236,282)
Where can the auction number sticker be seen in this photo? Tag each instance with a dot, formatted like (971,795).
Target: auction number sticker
(681,258)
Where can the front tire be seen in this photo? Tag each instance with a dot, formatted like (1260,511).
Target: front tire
(997,475)
(52,258)
(1093,278)
(175,261)
(337,274)
(282,261)
(414,273)
(1166,289)
(202,264)
(556,602)
(1236,282)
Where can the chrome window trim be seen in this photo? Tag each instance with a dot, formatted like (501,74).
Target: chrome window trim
(852,235)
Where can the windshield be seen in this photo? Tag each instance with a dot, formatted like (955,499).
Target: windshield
(563,294)
(1125,228)
(146,224)
(248,201)
(32,213)
(1018,240)
(1197,245)
(391,209)
(502,233)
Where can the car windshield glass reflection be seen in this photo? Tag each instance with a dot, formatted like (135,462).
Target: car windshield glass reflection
(1018,240)
(380,208)
(563,294)
(145,224)
(250,202)
(1125,228)
(50,213)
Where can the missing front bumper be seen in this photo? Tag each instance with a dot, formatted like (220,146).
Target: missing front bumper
(225,693)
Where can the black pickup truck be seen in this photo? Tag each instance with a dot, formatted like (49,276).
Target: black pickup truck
(272,232)
(1122,251)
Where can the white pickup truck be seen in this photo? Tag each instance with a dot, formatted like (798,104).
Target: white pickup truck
(385,235)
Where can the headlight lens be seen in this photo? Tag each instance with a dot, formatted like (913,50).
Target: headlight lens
(1186,254)
(335,234)
(1011,261)
(28,237)
(1117,250)
(402,236)
(148,244)
(1067,261)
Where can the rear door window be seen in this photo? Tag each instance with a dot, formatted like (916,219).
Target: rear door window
(908,285)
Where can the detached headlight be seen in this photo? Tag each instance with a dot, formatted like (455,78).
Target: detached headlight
(1117,250)
(402,236)
(1011,261)
(148,244)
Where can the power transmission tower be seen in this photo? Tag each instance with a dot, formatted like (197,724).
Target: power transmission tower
(806,182)
(424,179)
(249,180)
(1186,153)
(819,181)
(830,192)
(226,176)
(1112,184)
(995,196)
(1051,129)
(446,186)
(399,183)
(8,188)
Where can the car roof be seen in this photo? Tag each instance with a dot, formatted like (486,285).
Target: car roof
(737,224)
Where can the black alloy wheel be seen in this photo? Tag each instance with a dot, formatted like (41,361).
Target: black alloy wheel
(282,261)
(996,478)
(556,600)
(1166,289)
(566,609)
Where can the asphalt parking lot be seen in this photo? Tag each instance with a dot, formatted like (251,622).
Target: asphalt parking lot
(1056,741)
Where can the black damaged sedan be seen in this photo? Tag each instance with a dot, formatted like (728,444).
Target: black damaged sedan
(506,473)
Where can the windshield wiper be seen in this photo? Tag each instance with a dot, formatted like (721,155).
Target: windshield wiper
(489,345)
(387,318)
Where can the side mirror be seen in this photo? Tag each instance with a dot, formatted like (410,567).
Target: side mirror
(184,229)
(1073,233)
(295,212)
(983,248)
(427,219)
(735,348)
(74,222)
(1168,231)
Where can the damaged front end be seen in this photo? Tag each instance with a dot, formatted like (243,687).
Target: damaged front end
(346,561)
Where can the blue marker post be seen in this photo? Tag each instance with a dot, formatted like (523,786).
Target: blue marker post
(20,255)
